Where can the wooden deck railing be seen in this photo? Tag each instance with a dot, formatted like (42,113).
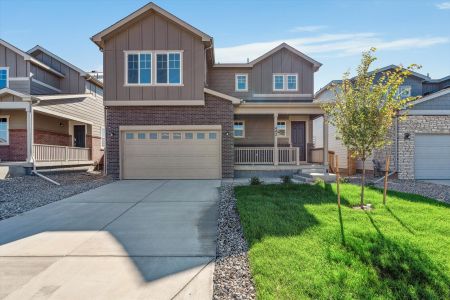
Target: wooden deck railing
(54,153)
(265,155)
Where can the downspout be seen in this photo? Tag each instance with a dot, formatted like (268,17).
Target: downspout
(105,156)
(206,65)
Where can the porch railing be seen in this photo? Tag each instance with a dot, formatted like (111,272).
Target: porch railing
(317,156)
(265,155)
(54,153)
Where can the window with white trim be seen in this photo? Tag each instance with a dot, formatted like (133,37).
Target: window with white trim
(285,82)
(281,128)
(239,129)
(169,68)
(102,137)
(404,91)
(4,74)
(139,68)
(241,82)
(4,130)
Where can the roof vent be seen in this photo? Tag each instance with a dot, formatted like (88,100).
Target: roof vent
(248,60)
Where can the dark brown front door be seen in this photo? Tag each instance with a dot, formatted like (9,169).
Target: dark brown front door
(79,134)
(298,137)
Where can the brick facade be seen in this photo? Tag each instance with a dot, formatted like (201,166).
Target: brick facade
(17,148)
(417,125)
(94,142)
(52,138)
(215,112)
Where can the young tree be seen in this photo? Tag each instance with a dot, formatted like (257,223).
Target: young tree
(365,108)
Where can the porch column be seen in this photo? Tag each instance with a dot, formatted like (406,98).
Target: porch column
(30,133)
(325,142)
(275,139)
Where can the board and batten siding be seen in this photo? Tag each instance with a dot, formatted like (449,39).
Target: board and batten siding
(150,32)
(260,77)
(88,109)
(438,103)
(18,67)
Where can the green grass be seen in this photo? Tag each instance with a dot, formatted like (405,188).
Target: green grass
(397,251)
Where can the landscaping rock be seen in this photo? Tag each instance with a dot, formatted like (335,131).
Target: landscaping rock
(232,277)
(21,194)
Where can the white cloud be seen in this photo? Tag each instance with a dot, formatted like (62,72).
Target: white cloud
(330,44)
(443,5)
(312,28)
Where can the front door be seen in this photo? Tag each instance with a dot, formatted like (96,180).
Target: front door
(298,137)
(79,136)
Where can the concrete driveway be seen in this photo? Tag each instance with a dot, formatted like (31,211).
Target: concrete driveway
(140,239)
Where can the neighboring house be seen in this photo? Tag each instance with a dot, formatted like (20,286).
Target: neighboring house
(173,112)
(421,144)
(51,112)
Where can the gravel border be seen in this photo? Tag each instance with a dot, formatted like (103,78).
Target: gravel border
(21,194)
(232,277)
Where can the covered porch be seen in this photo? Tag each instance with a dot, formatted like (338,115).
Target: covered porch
(279,136)
(37,136)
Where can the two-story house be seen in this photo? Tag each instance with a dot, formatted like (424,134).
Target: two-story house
(420,147)
(51,112)
(173,112)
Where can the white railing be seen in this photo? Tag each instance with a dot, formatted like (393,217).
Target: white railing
(53,153)
(265,155)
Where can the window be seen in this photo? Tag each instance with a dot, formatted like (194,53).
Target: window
(165,136)
(285,82)
(177,135)
(241,82)
(141,136)
(139,68)
(102,138)
(4,78)
(404,91)
(239,129)
(281,128)
(129,136)
(188,136)
(4,130)
(153,136)
(200,136)
(212,136)
(168,68)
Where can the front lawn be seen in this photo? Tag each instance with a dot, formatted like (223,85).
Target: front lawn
(401,251)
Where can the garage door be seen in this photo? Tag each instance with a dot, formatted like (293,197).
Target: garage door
(171,154)
(432,157)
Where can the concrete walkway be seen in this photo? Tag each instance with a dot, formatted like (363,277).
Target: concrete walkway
(126,240)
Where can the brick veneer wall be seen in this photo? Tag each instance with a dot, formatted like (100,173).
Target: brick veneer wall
(94,142)
(215,111)
(17,148)
(417,125)
(52,138)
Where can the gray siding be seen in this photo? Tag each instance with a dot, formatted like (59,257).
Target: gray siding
(22,86)
(18,67)
(88,109)
(45,76)
(438,103)
(39,89)
(154,32)
(260,77)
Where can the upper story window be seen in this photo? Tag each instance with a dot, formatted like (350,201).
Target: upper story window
(168,68)
(285,82)
(404,91)
(4,130)
(153,68)
(4,77)
(241,82)
(139,68)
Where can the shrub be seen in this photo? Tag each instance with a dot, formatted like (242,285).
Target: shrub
(255,181)
(286,179)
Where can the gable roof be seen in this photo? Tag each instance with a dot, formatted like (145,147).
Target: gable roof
(98,38)
(316,64)
(6,91)
(429,97)
(51,54)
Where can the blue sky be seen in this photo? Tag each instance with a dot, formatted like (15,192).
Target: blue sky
(332,32)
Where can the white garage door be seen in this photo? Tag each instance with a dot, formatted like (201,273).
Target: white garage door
(432,157)
(171,154)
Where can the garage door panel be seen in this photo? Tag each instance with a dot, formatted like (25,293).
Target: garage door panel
(432,157)
(195,158)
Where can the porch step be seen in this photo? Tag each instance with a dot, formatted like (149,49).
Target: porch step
(310,177)
(300,178)
(315,170)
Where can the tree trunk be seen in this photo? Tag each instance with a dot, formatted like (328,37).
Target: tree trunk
(363,181)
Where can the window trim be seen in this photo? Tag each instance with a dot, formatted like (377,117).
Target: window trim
(7,76)
(153,66)
(399,91)
(236,86)
(285,82)
(285,129)
(243,130)
(102,137)
(7,130)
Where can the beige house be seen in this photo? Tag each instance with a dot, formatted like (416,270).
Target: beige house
(51,112)
(172,111)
